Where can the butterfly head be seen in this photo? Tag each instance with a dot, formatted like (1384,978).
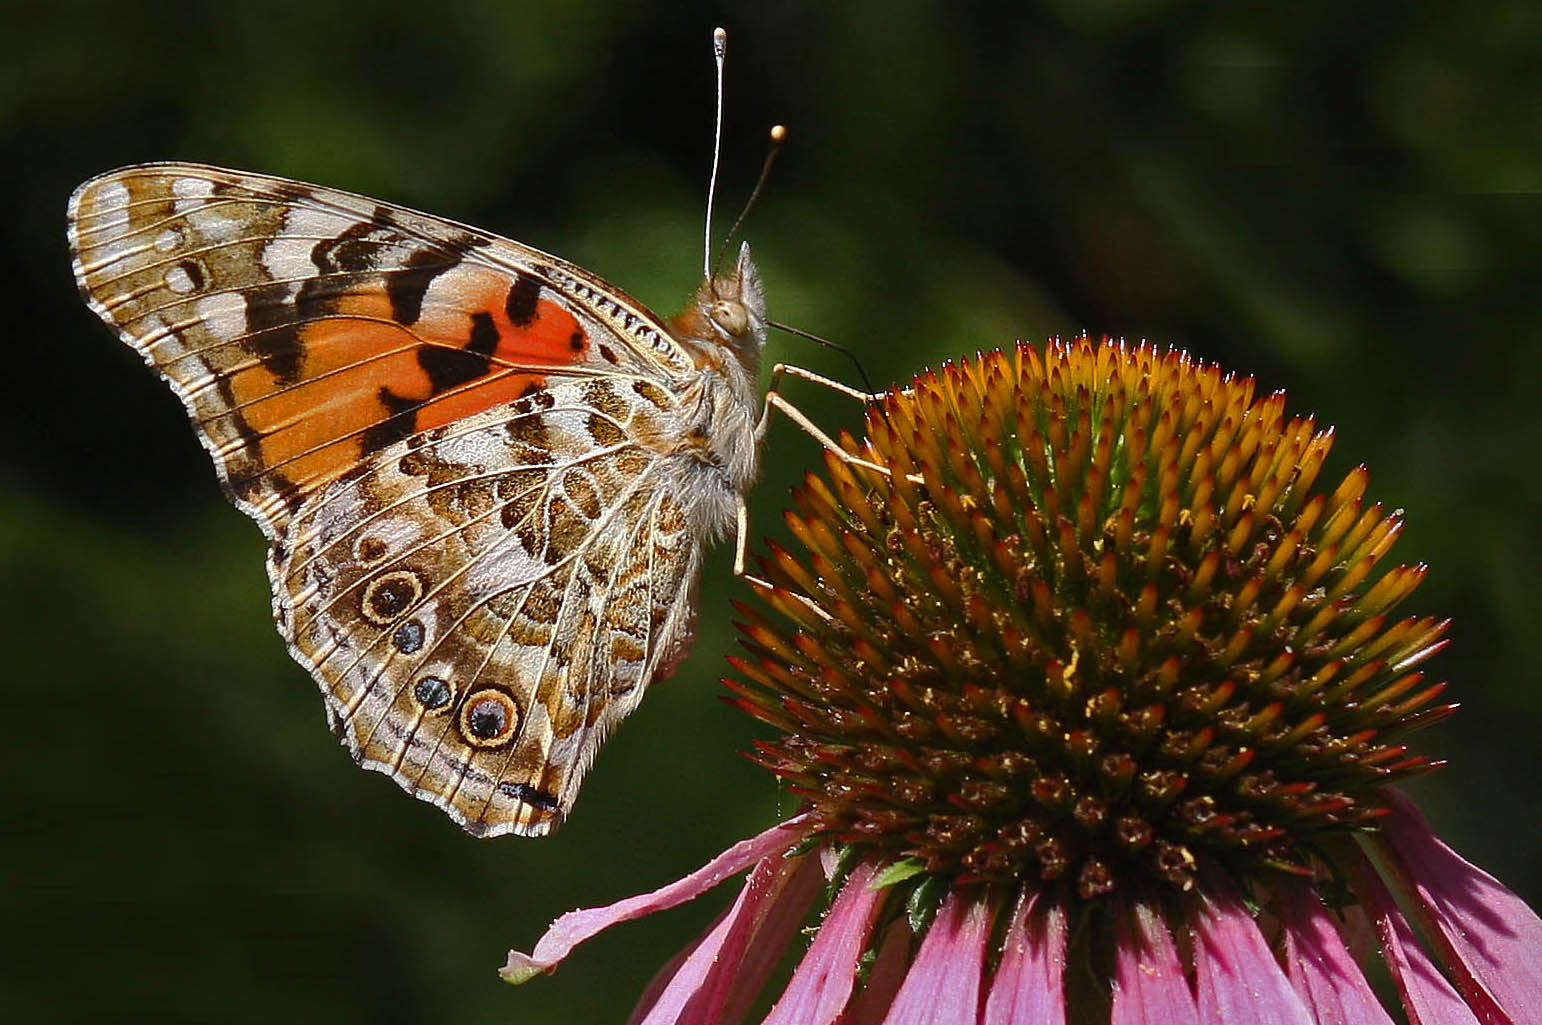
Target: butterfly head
(728,311)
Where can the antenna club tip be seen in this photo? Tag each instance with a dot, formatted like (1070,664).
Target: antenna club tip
(719,37)
(778,133)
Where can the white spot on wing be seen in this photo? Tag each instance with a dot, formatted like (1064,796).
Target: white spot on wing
(506,564)
(112,196)
(316,225)
(287,259)
(190,193)
(223,313)
(178,281)
(167,240)
(454,291)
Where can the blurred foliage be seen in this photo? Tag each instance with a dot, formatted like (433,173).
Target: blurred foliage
(1339,198)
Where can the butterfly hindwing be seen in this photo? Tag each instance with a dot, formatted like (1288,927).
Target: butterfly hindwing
(484,605)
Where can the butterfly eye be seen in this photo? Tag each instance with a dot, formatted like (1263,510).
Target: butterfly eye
(731,316)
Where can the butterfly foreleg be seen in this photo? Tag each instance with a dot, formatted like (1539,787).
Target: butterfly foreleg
(793,370)
(741,536)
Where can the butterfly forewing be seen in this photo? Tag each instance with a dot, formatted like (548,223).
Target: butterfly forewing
(306,328)
(466,452)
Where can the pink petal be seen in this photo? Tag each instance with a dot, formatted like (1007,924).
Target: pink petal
(884,980)
(1029,983)
(1237,978)
(943,984)
(1427,997)
(1490,941)
(1149,986)
(1319,965)
(573,928)
(828,972)
(730,963)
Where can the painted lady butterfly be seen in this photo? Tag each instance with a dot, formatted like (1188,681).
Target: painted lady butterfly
(487,476)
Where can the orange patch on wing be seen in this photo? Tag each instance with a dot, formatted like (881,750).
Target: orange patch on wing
(551,339)
(360,368)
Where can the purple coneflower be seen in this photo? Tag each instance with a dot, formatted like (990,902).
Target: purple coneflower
(1092,704)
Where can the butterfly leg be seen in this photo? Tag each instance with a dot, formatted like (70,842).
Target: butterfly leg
(741,537)
(793,370)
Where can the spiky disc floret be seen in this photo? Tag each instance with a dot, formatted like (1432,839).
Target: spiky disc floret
(1094,625)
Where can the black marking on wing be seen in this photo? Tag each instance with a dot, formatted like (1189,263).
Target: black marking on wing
(529,795)
(447,368)
(400,424)
(273,331)
(353,251)
(521,305)
(405,288)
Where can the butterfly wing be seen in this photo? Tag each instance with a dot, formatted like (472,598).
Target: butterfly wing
(486,603)
(455,444)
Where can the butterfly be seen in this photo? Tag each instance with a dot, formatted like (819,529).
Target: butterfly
(487,476)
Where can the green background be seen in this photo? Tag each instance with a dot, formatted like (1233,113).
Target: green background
(1340,198)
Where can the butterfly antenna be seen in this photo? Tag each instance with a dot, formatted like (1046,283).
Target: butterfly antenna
(778,136)
(719,53)
(789,329)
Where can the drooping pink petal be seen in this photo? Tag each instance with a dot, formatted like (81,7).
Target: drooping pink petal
(1492,942)
(729,964)
(1237,978)
(871,1004)
(1427,997)
(828,972)
(1149,985)
(1318,963)
(942,986)
(571,929)
(1030,981)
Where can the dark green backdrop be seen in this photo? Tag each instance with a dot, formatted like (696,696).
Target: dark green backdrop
(1341,198)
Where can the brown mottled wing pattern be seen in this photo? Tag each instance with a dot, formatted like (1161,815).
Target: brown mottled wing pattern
(487,603)
(438,430)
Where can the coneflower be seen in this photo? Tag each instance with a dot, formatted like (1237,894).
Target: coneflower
(1093,703)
